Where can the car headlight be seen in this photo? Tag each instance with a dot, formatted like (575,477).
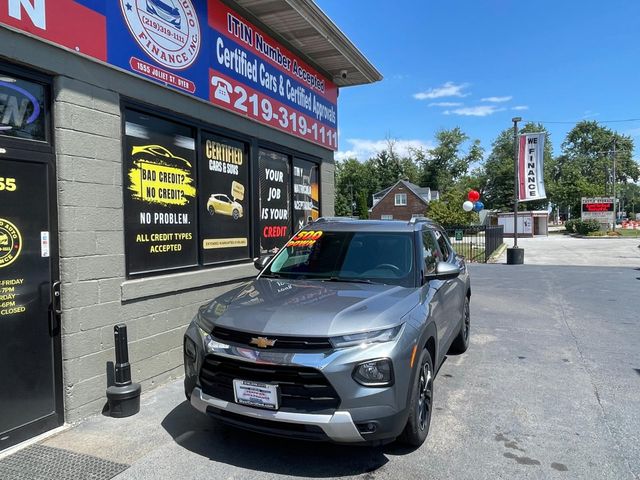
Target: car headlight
(366,338)
(374,373)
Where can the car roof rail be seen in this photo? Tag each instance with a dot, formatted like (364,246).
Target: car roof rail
(415,220)
(333,219)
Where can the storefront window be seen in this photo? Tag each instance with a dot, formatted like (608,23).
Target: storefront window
(224,200)
(160,194)
(188,198)
(306,199)
(275,205)
(22,108)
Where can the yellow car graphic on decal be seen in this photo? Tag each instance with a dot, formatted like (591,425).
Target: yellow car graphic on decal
(4,239)
(157,151)
(221,204)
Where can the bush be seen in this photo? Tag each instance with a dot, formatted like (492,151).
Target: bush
(586,227)
(570,225)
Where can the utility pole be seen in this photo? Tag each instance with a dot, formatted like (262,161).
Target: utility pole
(351,199)
(515,255)
(614,184)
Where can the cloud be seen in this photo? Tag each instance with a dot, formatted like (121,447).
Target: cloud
(589,114)
(477,111)
(496,99)
(363,149)
(449,89)
(521,107)
(445,104)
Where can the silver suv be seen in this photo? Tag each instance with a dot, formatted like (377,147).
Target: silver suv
(338,338)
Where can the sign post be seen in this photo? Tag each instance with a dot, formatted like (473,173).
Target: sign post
(515,255)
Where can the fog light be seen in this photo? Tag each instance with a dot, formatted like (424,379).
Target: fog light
(374,373)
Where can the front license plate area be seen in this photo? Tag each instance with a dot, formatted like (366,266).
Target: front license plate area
(256,394)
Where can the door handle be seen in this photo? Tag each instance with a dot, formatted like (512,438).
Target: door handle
(56,303)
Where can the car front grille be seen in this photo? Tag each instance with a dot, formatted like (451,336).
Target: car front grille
(302,389)
(282,342)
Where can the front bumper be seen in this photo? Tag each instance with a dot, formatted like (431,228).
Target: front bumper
(364,415)
(338,427)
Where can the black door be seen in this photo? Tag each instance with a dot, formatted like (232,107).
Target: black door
(30,363)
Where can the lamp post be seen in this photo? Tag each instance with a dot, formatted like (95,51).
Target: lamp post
(515,255)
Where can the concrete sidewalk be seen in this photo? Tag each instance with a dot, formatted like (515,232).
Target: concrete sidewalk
(560,249)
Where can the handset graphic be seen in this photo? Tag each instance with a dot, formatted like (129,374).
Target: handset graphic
(222,89)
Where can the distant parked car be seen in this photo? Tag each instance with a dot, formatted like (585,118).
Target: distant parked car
(166,10)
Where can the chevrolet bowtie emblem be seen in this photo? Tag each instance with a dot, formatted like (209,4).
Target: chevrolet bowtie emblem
(262,342)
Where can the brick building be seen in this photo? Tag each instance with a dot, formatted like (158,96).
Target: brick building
(401,201)
(145,160)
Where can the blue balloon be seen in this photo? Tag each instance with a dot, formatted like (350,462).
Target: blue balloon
(478,206)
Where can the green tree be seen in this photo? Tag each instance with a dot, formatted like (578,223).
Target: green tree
(585,167)
(448,210)
(443,165)
(498,172)
(352,179)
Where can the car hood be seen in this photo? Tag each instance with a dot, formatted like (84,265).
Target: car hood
(310,308)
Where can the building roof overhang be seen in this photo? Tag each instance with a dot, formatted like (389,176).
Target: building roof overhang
(305,27)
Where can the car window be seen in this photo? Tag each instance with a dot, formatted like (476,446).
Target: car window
(430,252)
(379,257)
(443,244)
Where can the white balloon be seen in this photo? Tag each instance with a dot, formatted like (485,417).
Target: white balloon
(467,206)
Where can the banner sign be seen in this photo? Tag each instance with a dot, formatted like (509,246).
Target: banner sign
(275,207)
(531,167)
(224,199)
(601,209)
(160,191)
(201,48)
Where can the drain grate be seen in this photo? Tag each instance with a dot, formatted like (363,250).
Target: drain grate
(39,462)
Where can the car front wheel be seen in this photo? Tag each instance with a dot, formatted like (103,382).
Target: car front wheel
(421,404)
(235,214)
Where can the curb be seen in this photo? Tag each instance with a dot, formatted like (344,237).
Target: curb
(493,258)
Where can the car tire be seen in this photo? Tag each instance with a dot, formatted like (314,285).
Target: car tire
(461,342)
(235,214)
(212,210)
(420,404)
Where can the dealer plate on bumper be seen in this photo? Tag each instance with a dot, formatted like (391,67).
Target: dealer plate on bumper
(256,394)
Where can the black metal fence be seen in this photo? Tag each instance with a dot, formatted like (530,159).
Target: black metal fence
(476,242)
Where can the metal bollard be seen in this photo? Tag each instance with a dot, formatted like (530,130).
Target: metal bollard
(123,396)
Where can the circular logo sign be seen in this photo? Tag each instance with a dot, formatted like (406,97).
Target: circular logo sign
(167,30)
(10,243)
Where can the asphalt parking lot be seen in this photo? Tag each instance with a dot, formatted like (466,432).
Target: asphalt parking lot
(548,389)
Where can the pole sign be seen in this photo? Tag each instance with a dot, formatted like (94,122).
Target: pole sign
(601,209)
(531,167)
(200,48)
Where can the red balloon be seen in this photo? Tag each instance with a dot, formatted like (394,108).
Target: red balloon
(474,196)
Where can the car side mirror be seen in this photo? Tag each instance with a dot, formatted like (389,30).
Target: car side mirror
(444,271)
(262,261)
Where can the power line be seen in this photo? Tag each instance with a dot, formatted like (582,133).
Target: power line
(587,120)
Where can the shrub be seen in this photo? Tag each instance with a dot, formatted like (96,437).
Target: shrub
(570,225)
(586,227)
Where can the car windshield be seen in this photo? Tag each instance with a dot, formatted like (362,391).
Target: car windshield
(368,257)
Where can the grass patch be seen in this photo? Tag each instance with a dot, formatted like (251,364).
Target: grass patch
(472,253)
(628,233)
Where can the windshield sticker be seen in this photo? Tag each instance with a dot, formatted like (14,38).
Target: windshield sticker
(305,239)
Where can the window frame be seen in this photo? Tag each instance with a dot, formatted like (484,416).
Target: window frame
(400,195)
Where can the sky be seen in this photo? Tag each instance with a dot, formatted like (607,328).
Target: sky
(476,64)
